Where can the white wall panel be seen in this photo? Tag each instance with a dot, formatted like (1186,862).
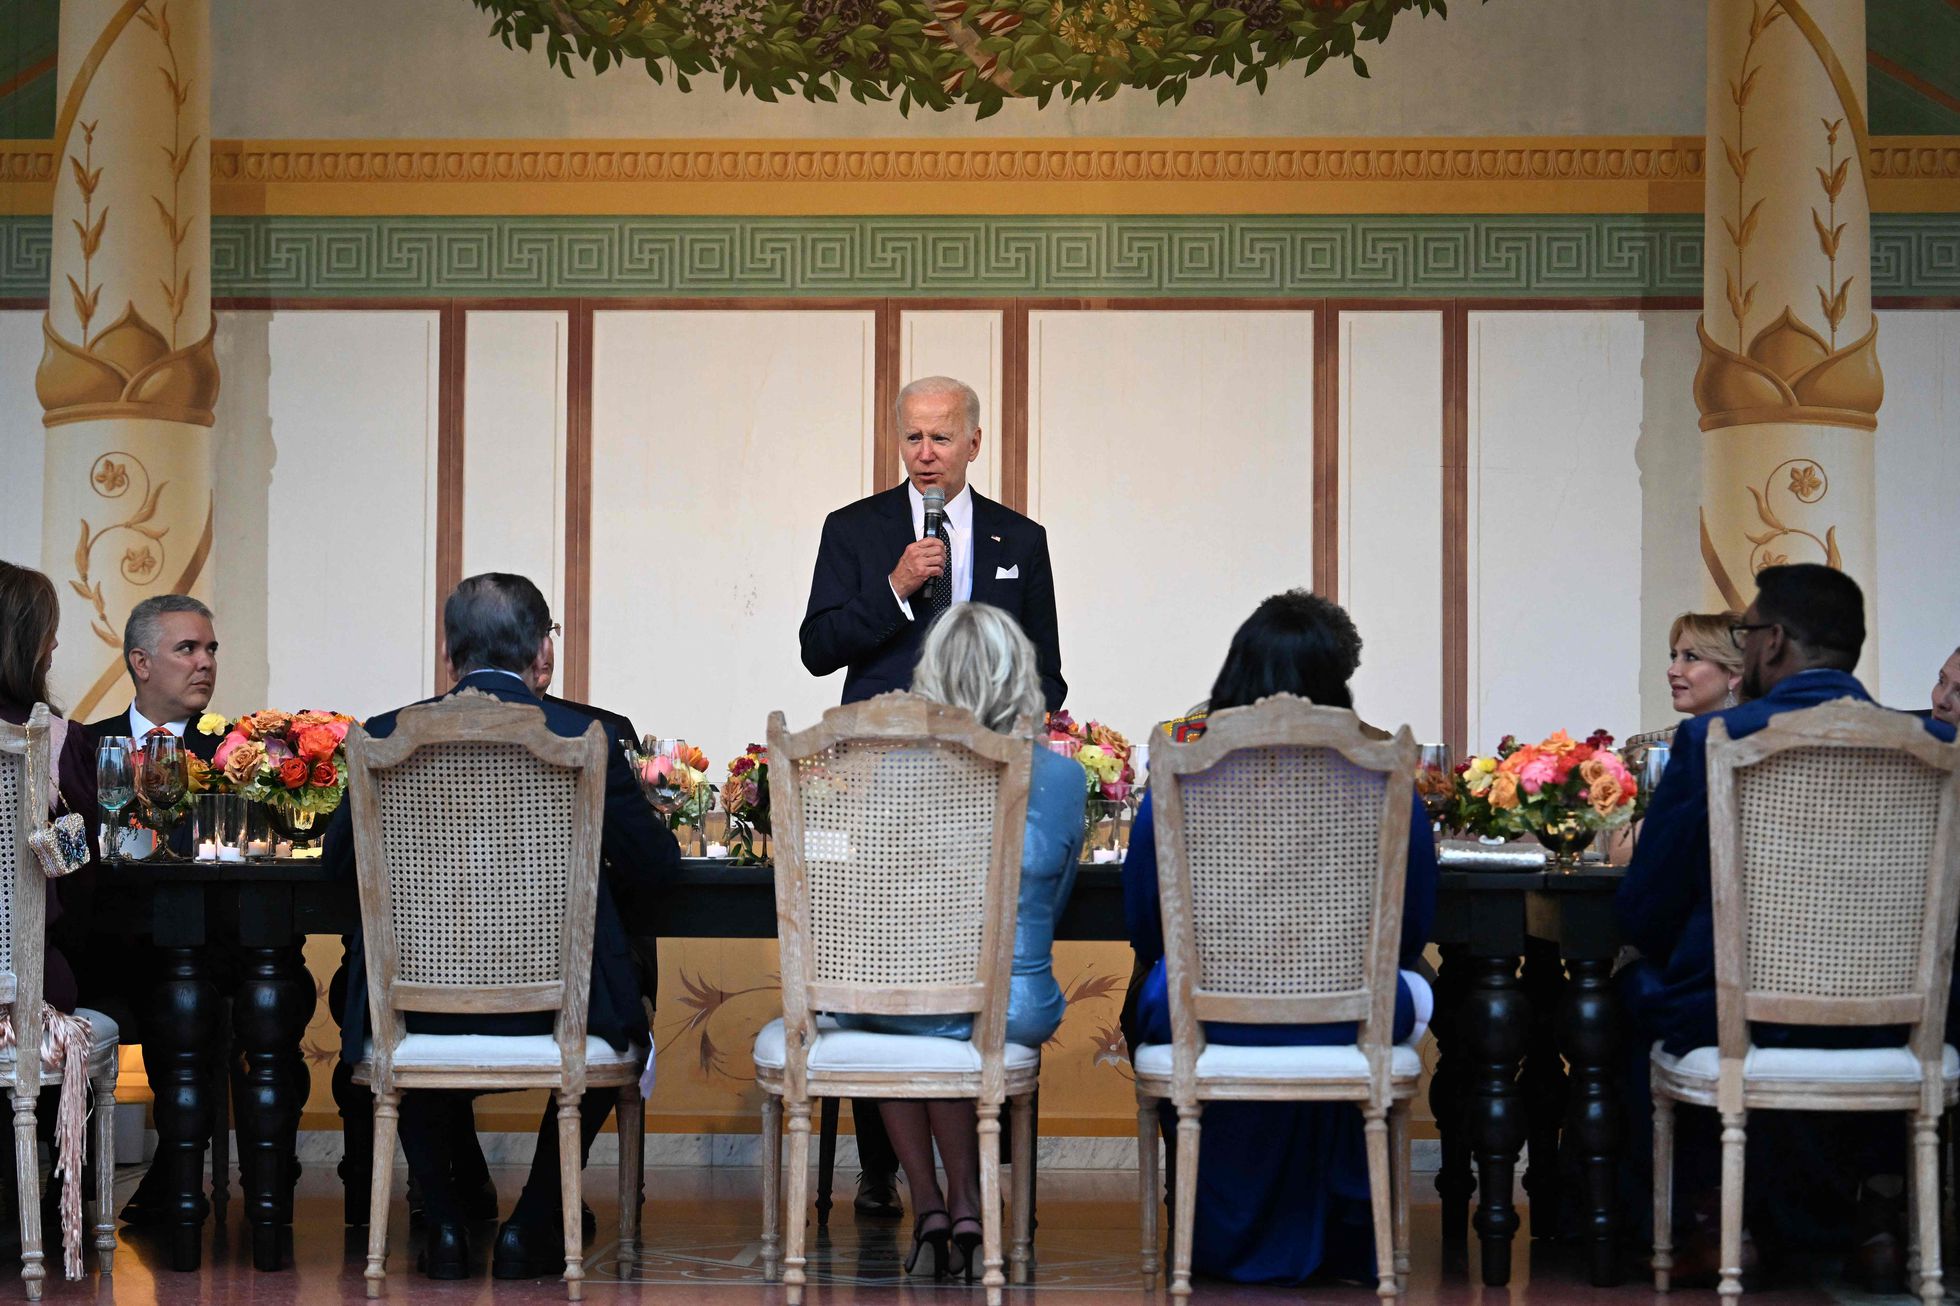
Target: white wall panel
(514,448)
(22,437)
(1170,456)
(720,441)
(963,344)
(1918,456)
(1391,514)
(326,484)
(1555,523)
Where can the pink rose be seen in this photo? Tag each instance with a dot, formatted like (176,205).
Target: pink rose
(227,747)
(1538,773)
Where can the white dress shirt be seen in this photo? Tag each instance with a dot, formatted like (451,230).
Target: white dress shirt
(140,726)
(959,529)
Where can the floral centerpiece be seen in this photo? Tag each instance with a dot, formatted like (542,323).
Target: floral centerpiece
(1108,767)
(745,797)
(1561,790)
(293,762)
(676,784)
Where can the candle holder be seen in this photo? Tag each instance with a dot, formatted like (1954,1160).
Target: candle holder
(218,827)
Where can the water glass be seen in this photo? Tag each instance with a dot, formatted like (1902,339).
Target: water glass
(115,787)
(1653,764)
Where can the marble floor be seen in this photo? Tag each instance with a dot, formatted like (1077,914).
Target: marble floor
(700,1245)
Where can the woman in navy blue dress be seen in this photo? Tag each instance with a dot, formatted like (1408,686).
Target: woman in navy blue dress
(1282,1187)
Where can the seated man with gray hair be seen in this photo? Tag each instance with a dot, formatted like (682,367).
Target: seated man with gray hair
(497,630)
(171,653)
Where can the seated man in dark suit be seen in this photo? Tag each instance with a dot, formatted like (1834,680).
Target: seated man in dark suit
(467,1164)
(496,629)
(1800,640)
(170,650)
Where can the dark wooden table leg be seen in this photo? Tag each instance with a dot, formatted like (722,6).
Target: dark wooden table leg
(1495,1020)
(1589,1029)
(180,1028)
(275,1001)
(1455,1182)
(1543,1083)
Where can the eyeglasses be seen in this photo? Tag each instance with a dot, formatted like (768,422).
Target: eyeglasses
(1739,631)
(558,629)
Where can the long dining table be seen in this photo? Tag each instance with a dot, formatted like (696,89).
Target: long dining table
(1502,1028)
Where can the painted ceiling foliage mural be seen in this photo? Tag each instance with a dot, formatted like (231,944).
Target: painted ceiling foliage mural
(941,53)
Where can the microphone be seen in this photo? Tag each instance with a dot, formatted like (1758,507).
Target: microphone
(935,501)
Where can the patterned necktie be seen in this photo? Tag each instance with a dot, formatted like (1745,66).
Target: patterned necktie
(941,586)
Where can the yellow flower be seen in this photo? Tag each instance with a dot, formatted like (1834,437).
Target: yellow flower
(1484,765)
(1102,765)
(211,724)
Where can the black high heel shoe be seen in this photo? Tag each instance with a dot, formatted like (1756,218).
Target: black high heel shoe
(935,1239)
(968,1244)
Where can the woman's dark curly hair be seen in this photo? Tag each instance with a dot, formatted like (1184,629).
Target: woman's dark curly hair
(1294,643)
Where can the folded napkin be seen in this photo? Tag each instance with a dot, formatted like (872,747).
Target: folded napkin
(1475,855)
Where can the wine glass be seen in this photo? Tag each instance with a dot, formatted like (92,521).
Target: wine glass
(115,787)
(1653,765)
(655,767)
(1435,785)
(160,779)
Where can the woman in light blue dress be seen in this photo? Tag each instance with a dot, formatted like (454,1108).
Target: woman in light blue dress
(977,657)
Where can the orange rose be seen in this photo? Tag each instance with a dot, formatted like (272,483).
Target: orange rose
(292,773)
(1504,791)
(242,767)
(316,743)
(1590,770)
(1559,744)
(1606,794)
(265,723)
(324,775)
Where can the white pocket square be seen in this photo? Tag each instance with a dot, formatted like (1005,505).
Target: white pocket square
(1008,573)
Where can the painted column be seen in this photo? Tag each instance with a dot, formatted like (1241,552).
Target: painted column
(1789,384)
(128,376)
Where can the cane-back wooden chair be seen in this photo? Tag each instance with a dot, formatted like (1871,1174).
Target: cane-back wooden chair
(477,831)
(1282,855)
(898,827)
(1833,854)
(27,768)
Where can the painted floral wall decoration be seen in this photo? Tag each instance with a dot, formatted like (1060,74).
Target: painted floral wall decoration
(941,53)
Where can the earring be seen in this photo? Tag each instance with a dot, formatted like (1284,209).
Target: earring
(1729,699)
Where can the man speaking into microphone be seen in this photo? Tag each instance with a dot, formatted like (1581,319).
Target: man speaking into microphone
(891,563)
(882,576)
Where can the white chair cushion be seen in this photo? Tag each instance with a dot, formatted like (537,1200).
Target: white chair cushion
(845,1050)
(1894,1065)
(502,1052)
(1228,1061)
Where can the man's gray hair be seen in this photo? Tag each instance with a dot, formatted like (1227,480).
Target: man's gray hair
(495,619)
(145,624)
(978,657)
(938,385)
